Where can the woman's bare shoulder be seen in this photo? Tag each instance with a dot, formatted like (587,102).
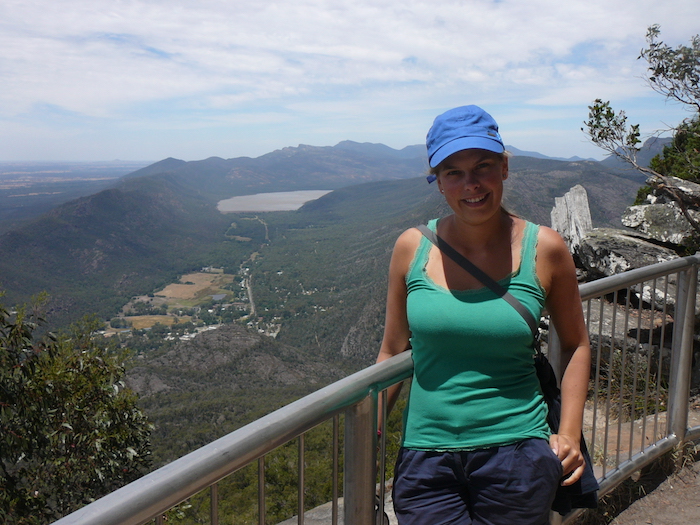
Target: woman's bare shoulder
(405,249)
(550,244)
(407,243)
(409,238)
(555,265)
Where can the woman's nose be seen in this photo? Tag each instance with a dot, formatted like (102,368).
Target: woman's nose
(470,179)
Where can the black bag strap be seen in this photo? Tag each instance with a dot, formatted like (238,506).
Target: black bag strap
(485,279)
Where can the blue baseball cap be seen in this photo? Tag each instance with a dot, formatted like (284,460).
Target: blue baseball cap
(466,127)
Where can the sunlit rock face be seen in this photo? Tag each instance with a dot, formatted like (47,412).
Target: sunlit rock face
(606,251)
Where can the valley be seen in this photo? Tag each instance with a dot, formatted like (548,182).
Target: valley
(297,297)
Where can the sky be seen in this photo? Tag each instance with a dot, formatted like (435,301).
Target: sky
(100,80)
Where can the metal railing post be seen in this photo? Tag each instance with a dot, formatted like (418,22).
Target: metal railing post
(261,490)
(360,458)
(682,353)
(302,481)
(214,504)
(336,441)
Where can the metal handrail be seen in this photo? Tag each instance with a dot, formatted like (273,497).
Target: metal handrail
(356,396)
(150,496)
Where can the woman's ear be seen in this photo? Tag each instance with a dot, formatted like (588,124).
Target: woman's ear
(505,168)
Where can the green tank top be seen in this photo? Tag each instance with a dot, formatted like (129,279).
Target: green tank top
(474,382)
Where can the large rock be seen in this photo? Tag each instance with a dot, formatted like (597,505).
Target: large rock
(571,216)
(689,190)
(661,218)
(663,221)
(606,251)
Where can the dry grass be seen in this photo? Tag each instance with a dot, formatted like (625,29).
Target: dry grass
(139,322)
(192,290)
(202,284)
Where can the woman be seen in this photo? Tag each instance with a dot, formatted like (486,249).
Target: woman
(476,446)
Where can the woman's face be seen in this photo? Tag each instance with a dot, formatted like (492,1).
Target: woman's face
(472,182)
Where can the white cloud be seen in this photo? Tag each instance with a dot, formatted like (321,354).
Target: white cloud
(119,68)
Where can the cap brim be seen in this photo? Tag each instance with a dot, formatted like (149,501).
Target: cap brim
(463,143)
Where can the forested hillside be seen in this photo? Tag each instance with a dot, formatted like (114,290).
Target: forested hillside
(94,253)
(324,270)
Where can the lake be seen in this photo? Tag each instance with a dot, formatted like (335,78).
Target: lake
(278,201)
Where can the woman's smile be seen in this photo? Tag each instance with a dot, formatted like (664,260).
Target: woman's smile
(475,200)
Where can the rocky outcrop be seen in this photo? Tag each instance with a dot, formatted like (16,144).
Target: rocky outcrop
(664,222)
(601,252)
(571,216)
(606,251)
(662,218)
(659,231)
(690,191)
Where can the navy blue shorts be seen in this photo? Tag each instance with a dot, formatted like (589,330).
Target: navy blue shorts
(510,485)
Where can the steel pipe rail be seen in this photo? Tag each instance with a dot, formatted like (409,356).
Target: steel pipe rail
(150,496)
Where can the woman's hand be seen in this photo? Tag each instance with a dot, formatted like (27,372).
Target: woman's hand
(568,450)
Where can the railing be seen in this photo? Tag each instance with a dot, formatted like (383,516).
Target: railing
(641,325)
(637,408)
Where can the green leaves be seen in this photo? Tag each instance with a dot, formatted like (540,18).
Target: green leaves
(70,430)
(608,129)
(681,158)
(674,73)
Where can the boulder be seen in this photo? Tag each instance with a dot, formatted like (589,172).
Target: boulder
(606,251)
(662,221)
(689,190)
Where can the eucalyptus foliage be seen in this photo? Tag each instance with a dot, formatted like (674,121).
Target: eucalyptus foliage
(70,431)
(681,158)
(675,74)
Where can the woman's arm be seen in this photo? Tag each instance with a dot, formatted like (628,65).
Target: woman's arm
(557,273)
(396,332)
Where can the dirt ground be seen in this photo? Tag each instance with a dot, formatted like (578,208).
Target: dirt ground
(676,501)
(200,284)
